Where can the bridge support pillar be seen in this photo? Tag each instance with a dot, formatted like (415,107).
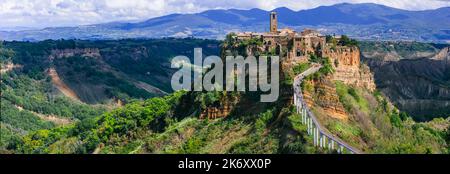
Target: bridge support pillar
(329,144)
(332,145)
(314,136)
(341,149)
(304,117)
(320,140)
(304,114)
(295,98)
(317,135)
(307,125)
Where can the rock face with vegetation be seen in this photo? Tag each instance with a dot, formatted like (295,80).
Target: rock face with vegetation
(346,62)
(322,92)
(415,76)
(364,117)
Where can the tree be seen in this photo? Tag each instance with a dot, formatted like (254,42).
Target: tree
(327,67)
(346,41)
(404,116)
(395,119)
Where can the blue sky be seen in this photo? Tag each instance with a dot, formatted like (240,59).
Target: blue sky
(50,13)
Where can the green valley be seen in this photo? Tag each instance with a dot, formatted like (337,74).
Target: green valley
(123,103)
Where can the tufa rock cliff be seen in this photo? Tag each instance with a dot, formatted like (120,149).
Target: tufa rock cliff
(348,69)
(322,92)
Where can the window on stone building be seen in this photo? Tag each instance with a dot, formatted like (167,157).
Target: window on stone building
(299,53)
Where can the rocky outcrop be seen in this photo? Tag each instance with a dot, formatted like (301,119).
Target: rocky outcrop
(443,55)
(324,95)
(348,69)
(8,67)
(221,109)
(216,112)
(83,52)
(420,87)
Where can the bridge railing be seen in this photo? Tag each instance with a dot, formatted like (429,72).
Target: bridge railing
(321,138)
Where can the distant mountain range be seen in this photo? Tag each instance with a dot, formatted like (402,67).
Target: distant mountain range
(362,21)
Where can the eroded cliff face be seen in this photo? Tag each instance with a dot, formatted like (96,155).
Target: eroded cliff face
(419,86)
(83,52)
(348,68)
(222,109)
(322,93)
(443,55)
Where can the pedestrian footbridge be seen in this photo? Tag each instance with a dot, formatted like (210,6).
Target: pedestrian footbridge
(321,138)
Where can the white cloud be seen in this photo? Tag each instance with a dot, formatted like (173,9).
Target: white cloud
(44,13)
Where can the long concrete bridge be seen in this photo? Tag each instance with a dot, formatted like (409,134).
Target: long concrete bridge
(321,138)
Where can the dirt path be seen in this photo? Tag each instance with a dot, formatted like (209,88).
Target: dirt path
(61,85)
(50,118)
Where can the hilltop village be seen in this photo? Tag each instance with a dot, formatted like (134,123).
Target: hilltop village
(297,47)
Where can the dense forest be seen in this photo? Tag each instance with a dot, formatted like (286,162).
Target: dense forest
(30,100)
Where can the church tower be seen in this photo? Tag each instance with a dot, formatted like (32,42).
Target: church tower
(273,22)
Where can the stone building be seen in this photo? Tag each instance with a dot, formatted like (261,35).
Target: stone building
(273,22)
(296,45)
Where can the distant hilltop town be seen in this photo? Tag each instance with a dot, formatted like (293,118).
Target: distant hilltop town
(297,45)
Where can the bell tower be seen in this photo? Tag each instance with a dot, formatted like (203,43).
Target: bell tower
(273,22)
